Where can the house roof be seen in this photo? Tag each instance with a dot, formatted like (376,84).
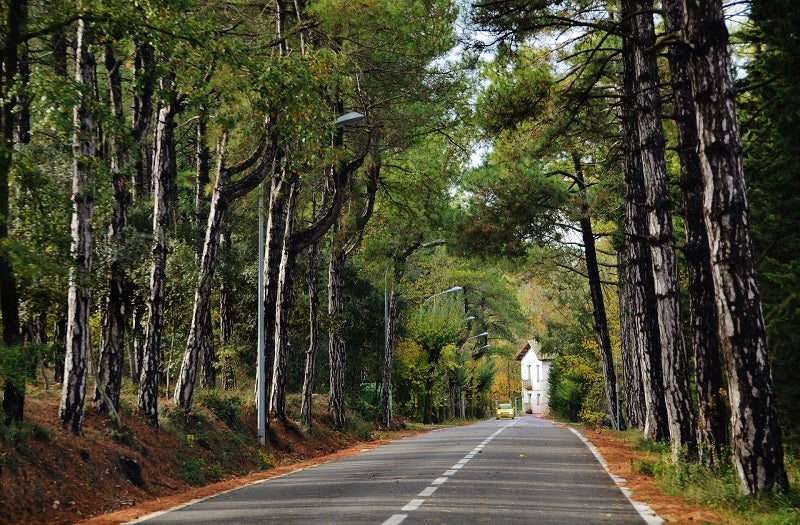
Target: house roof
(533,345)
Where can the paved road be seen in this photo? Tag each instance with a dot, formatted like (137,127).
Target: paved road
(522,471)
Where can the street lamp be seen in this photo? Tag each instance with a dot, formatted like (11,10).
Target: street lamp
(449,290)
(261,395)
(478,335)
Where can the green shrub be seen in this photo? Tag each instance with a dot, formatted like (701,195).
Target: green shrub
(192,472)
(227,408)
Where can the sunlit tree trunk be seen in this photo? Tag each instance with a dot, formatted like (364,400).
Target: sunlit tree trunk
(198,332)
(109,370)
(658,205)
(712,413)
(309,375)
(642,308)
(757,448)
(282,306)
(164,176)
(84,149)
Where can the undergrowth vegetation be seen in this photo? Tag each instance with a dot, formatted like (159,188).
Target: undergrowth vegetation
(717,487)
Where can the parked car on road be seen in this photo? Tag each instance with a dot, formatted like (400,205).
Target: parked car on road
(504,410)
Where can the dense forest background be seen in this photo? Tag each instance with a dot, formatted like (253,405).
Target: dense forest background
(412,190)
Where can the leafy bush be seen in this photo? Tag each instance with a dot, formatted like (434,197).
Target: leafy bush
(227,408)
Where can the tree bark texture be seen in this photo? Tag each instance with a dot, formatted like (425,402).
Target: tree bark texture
(309,375)
(9,300)
(634,406)
(201,311)
(226,315)
(642,307)
(84,150)
(109,370)
(658,204)
(144,71)
(336,345)
(598,301)
(712,412)
(282,306)
(757,448)
(164,178)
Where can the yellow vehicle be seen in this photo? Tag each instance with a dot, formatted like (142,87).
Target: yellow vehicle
(504,410)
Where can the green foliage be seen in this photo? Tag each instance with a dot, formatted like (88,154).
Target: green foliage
(227,408)
(191,472)
(769,105)
(718,488)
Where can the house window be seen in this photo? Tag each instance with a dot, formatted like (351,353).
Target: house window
(529,372)
(538,399)
(538,377)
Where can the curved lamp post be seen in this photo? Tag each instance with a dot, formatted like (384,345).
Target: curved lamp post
(449,290)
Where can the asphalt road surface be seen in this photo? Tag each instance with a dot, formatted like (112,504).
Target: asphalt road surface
(520,471)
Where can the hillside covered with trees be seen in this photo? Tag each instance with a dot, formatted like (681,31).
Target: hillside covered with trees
(381,202)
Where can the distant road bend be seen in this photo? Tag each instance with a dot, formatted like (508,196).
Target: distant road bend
(521,471)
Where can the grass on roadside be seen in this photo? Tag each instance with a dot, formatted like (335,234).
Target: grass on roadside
(717,488)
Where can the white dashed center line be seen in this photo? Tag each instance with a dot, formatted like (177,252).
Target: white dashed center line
(415,503)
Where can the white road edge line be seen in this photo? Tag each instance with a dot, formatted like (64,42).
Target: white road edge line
(644,510)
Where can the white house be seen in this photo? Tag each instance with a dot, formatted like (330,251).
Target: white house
(535,372)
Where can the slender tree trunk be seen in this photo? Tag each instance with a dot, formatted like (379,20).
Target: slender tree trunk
(84,149)
(282,307)
(9,302)
(712,425)
(226,313)
(598,301)
(757,448)
(109,372)
(272,249)
(642,309)
(136,347)
(336,347)
(674,363)
(144,72)
(164,172)
(309,376)
(392,310)
(198,335)
(634,391)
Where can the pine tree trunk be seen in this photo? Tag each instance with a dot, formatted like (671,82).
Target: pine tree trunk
(658,205)
(201,311)
(226,315)
(634,392)
(336,347)
(9,300)
(272,255)
(84,149)
(757,449)
(164,176)
(282,307)
(144,74)
(309,376)
(109,373)
(598,302)
(712,413)
(642,309)
(392,310)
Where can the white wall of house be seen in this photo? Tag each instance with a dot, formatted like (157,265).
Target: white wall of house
(535,372)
